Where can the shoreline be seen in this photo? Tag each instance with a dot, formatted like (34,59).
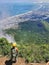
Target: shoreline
(18,15)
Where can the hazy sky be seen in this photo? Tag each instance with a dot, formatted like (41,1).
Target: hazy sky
(25,1)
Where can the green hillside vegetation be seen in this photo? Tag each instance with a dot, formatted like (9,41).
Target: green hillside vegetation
(31,31)
(4,47)
(30,51)
(46,25)
(32,38)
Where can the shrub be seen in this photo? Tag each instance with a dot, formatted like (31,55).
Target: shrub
(4,46)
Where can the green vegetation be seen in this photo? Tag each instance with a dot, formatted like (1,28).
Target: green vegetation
(31,31)
(46,25)
(4,46)
(30,51)
(32,39)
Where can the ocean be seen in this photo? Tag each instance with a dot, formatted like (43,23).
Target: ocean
(11,9)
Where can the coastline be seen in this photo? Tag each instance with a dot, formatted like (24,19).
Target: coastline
(26,13)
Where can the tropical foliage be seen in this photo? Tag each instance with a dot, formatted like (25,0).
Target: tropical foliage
(32,41)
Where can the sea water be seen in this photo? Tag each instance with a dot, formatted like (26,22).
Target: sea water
(11,9)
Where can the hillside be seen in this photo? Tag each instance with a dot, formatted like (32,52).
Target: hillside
(35,31)
(31,32)
(34,23)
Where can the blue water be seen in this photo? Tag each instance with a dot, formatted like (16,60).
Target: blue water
(7,9)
